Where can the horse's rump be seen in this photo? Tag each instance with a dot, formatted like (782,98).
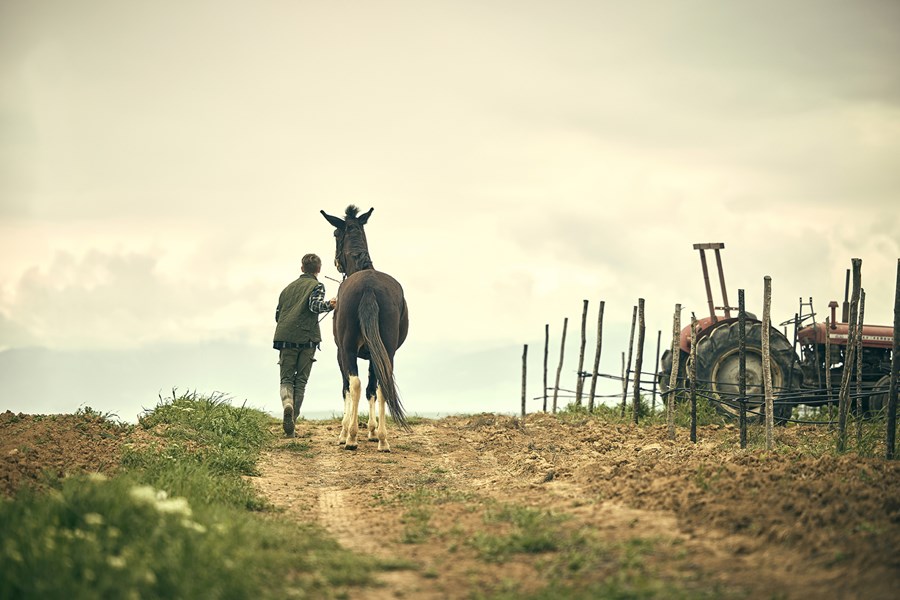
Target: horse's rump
(375,329)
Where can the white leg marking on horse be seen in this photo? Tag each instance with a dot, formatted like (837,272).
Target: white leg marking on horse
(373,420)
(354,413)
(383,445)
(345,422)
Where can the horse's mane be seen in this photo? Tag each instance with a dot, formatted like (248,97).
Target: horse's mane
(352,211)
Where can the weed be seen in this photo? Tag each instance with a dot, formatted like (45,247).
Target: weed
(529,531)
(298,446)
(706,479)
(416,525)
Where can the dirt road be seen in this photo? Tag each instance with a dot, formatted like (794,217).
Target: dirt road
(460,505)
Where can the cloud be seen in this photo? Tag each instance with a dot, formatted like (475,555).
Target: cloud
(103,300)
(161,171)
(14,334)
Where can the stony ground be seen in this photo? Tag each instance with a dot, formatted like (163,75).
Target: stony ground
(709,516)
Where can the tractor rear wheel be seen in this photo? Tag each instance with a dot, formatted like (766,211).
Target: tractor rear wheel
(665,370)
(878,401)
(718,370)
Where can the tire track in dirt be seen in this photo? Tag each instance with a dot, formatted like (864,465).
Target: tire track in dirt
(341,491)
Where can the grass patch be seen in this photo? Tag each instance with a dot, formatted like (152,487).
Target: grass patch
(423,492)
(416,525)
(527,531)
(228,439)
(706,412)
(577,562)
(179,521)
(98,538)
(299,446)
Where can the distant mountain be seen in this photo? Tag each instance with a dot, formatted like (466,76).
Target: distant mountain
(125,382)
(434,380)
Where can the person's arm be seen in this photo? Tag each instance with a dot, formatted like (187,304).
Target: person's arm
(317,302)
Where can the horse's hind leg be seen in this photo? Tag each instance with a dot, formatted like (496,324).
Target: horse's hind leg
(345,421)
(351,415)
(370,394)
(383,445)
(373,420)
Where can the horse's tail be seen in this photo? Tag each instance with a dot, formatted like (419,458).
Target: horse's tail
(384,370)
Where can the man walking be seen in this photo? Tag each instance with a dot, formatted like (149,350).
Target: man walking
(297,335)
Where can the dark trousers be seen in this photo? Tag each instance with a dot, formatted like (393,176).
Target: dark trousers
(296,365)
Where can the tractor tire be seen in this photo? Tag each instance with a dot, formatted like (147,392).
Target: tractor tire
(878,401)
(665,370)
(718,370)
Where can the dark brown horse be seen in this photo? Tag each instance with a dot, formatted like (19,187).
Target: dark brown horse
(370,322)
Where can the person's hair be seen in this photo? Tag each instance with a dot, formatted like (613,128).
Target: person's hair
(311,264)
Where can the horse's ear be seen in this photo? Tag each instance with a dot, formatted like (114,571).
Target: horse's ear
(362,219)
(338,223)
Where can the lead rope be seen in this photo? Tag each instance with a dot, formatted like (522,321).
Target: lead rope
(336,281)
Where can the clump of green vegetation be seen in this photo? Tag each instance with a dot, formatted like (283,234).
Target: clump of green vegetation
(298,446)
(577,562)
(423,492)
(173,524)
(706,412)
(226,438)
(529,531)
(118,538)
(416,525)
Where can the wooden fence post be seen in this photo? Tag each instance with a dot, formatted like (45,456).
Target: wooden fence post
(692,361)
(767,366)
(562,351)
(628,364)
(845,307)
(597,356)
(524,379)
(639,362)
(579,384)
(859,367)
(673,376)
(655,371)
(546,353)
(742,367)
(895,368)
(828,373)
(849,355)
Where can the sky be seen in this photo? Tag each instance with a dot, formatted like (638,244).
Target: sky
(163,165)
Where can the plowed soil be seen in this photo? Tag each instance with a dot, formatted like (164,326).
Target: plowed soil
(34,448)
(743,523)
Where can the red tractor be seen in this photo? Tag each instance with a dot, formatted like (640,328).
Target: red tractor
(877,342)
(794,380)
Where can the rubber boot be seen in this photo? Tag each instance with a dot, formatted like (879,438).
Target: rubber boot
(298,402)
(287,405)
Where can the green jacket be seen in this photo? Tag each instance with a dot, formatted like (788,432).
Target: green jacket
(296,324)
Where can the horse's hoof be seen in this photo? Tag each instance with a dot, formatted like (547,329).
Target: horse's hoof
(384,449)
(349,447)
(373,438)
